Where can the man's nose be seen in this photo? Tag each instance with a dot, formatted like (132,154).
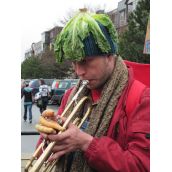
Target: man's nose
(79,69)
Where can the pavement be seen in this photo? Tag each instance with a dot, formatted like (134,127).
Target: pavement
(28,142)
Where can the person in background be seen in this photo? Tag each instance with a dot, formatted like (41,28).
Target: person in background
(44,93)
(116,137)
(28,101)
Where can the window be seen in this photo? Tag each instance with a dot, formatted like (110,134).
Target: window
(63,85)
(122,17)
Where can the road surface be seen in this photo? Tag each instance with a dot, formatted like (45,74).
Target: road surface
(28,143)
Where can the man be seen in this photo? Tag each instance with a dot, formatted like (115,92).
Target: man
(28,97)
(115,139)
(44,93)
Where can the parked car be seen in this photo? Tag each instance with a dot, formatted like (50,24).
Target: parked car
(63,86)
(34,83)
(24,82)
(27,81)
(54,86)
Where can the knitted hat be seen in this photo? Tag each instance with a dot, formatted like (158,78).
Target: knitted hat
(86,34)
(92,49)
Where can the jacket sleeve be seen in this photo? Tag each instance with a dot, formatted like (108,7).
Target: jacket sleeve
(105,154)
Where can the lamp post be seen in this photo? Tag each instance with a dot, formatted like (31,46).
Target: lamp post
(127,4)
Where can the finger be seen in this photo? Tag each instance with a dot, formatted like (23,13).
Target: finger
(60,148)
(45,136)
(71,125)
(64,135)
(56,155)
(60,119)
(58,137)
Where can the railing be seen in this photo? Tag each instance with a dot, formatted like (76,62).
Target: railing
(26,156)
(26,133)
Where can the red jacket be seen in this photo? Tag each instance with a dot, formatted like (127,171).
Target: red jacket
(126,148)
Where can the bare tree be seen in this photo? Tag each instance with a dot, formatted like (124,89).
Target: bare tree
(71,12)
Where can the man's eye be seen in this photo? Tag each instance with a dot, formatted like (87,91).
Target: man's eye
(83,62)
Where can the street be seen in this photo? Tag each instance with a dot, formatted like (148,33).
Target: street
(28,142)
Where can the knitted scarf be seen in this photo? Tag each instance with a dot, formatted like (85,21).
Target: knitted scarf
(101,115)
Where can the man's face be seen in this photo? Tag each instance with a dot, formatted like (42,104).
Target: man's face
(94,69)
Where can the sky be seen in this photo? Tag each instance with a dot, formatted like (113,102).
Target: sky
(38,16)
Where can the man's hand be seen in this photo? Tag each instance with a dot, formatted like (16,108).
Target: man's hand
(69,141)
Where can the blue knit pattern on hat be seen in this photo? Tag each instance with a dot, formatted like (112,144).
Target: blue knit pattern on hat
(92,49)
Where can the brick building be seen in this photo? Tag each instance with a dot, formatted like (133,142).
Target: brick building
(119,16)
(47,40)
